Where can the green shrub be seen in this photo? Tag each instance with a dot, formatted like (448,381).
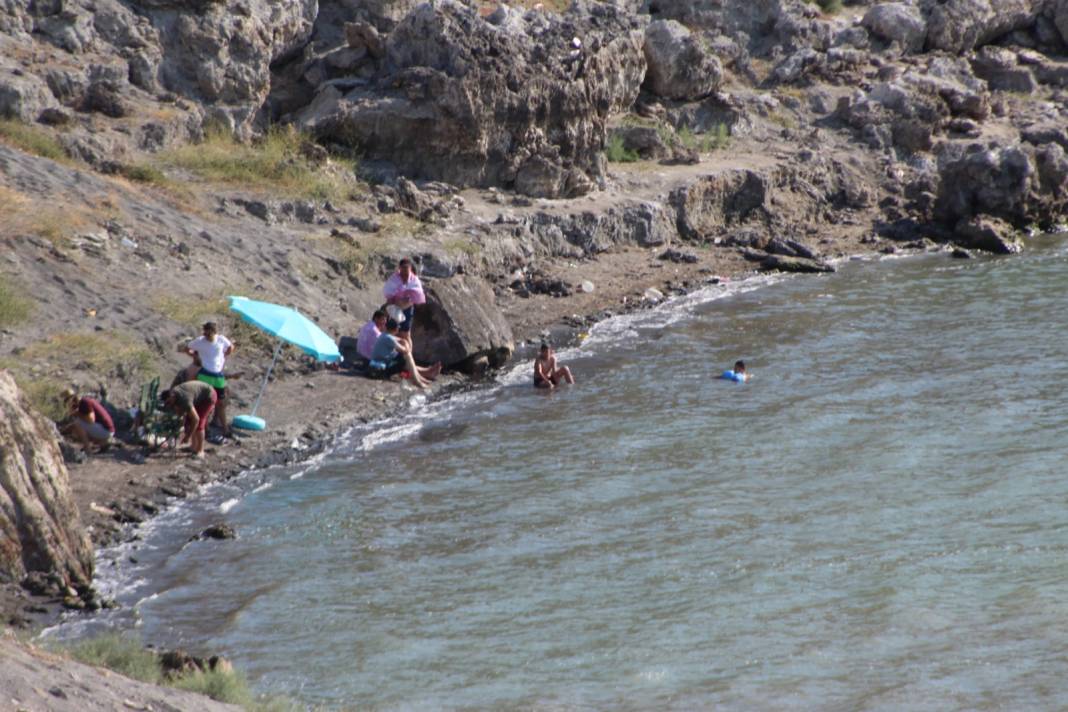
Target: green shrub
(14,308)
(121,654)
(616,152)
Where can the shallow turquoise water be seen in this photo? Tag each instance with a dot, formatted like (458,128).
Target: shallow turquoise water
(876,522)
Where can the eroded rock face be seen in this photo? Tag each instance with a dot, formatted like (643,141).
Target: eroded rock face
(519,104)
(679,65)
(40,529)
(217,53)
(460,325)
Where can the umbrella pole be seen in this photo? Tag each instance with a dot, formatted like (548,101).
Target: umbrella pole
(267,377)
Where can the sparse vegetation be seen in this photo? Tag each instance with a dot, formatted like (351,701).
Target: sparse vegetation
(104,354)
(783,119)
(714,140)
(32,139)
(616,152)
(275,163)
(14,308)
(191,311)
(828,6)
(119,654)
(53,220)
(142,173)
(126,656)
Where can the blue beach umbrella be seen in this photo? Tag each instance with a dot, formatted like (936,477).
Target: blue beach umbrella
(288,325)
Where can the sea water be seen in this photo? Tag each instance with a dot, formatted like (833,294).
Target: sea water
(876,521)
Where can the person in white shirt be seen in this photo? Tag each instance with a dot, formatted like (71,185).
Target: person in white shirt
(211,350)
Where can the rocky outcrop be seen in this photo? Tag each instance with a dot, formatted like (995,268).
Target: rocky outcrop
(961,25)
(40,526)
(707,206)
(1018,184)
(461,326)
(897,22)
(680,66)
(520,101)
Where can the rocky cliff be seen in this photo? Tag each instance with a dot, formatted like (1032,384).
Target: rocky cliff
(42,537)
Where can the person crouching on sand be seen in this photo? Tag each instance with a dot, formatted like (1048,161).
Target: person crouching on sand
(396,353)
(547,374)
(195,402)
(90,422)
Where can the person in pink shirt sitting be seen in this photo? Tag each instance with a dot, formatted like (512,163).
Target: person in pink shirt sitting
(369,333)
(404,290)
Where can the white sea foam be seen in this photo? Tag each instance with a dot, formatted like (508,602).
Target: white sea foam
(229,504)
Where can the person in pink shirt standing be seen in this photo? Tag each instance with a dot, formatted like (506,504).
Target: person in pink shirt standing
(404,290)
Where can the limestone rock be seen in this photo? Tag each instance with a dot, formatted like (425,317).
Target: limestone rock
(961,25)
(897,22)
(468,102)
(989,234)
(785,263)
(40,528)
(461,323)
(680,67)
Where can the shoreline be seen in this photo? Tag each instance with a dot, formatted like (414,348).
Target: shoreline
(112,526)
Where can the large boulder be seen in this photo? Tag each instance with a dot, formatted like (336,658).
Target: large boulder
(520,104)
(40,529)
(680,65)
(961,25)
(897,22)
(461,326)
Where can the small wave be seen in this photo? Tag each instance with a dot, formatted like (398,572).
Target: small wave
(389,435)
(264,487)
(229,504)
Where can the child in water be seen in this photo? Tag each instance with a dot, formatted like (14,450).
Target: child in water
(546,372)
(738,374)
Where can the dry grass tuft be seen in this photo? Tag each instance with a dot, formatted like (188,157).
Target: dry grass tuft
(277,163)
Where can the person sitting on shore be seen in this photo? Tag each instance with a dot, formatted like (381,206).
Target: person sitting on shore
(195,402)
(547,374)
(211,350)
(395,355)
(90,424)
(404,291)
(369,333)
(737,374)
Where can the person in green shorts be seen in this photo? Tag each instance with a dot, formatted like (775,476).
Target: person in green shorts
(212,349)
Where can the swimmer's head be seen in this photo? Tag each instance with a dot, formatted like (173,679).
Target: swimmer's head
(739,366)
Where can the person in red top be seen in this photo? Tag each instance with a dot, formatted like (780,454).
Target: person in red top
(90,423)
